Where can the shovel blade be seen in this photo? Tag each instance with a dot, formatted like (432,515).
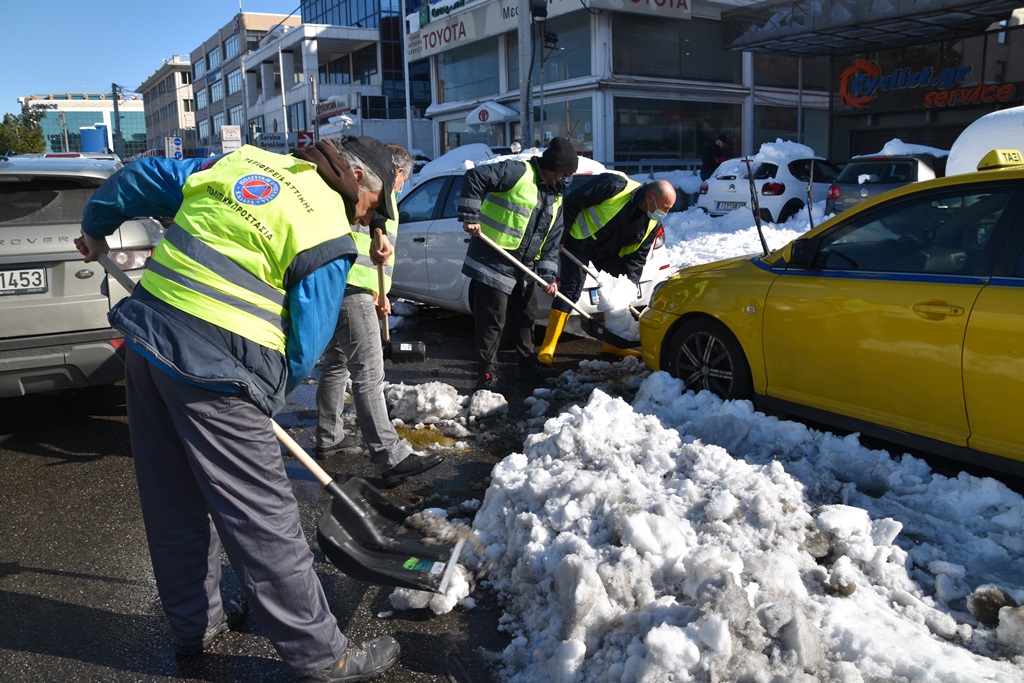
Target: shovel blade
(594,326)
(405,352)
(364,534)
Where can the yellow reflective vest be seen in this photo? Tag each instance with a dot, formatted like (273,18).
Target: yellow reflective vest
(504,216)
(226,257)
(593,218)
(364,271)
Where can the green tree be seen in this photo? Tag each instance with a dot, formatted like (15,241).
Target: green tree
(22,133)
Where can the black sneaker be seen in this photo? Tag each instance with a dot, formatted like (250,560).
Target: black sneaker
(235,612)
(360,663)
(415,463)
(531,368)
(488,380)
(350,442)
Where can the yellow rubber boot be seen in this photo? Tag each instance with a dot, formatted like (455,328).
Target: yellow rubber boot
(556,321)
(616,351)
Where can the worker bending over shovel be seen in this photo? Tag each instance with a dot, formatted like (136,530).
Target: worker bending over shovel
(612,223)
(237,304)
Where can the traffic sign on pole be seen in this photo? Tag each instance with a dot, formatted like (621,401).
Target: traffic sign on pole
(303,139)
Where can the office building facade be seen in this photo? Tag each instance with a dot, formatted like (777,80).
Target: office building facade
(170,107)
(85,121)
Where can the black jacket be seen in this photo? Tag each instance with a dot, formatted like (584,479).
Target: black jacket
(626,227)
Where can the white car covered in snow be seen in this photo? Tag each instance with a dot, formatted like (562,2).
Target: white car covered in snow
(781,173)
(432,244)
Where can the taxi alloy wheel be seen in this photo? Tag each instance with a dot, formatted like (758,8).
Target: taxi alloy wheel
(706,356)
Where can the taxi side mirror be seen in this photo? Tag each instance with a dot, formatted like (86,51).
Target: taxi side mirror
(797,254)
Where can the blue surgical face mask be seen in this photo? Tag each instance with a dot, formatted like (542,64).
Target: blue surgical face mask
(657,215)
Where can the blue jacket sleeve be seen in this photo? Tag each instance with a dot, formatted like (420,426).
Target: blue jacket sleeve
(313,307)
(147,187)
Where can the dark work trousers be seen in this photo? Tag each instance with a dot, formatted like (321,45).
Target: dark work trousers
(209,470)
(571,277)
(493,309)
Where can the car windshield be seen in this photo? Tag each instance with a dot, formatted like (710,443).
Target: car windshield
(43,200)
(879,171)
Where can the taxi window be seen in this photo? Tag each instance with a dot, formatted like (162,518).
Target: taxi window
(937,233)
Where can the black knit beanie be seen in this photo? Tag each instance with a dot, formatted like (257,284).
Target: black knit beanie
(559,157)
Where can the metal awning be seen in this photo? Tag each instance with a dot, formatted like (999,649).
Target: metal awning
(839,27)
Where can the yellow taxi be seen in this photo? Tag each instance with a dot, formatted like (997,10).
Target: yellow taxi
(902,318)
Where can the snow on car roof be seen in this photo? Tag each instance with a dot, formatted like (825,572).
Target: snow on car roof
(898,148)
(467,156)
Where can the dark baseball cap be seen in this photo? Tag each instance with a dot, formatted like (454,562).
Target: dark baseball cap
(377,158)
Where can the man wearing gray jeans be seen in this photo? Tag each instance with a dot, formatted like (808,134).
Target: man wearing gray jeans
(356,351)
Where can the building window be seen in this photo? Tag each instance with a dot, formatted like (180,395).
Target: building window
(213,58)
(186,77)
(468,72)
(204,130)
(570,119)
(217,92)
(252,39)
(255,128)
(364,64)
(234,81)
(666,48)
(668,128)
(188,105)
(783,71)
(217,120)
(199,70)
(297,116)
(569,59)
(231,47)
(336,72)
(236,115)
(201,98)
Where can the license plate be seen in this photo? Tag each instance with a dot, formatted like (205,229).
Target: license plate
(593,297)
(729,206)
(24,281)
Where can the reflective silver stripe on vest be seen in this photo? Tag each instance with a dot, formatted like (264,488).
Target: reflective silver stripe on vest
(509,206)
(499,227)
(497,275)
(366,262)
(207,256)
(160,269)
(582,224)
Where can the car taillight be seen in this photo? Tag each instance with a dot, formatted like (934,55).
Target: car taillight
(773,189)
(131,259)
(659,238)
(834,192)
(704,187)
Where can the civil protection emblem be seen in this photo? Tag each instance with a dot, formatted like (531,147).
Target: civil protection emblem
(256,189)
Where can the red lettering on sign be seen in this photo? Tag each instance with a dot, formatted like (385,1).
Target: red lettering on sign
(671,4)
(444,35)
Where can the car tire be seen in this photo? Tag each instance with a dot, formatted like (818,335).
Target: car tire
(704,354)
(790,209)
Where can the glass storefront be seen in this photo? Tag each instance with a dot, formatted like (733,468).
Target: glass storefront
(664,48)
(669,129)
(468,72)
(569,58)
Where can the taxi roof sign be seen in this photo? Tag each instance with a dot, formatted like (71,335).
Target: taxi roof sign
(1000,158)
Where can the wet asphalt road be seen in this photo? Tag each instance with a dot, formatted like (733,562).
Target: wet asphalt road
(77,595)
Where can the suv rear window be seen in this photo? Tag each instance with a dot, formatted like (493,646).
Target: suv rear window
(43,200)
(880,171)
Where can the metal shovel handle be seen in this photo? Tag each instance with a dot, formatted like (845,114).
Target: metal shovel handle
(514,261)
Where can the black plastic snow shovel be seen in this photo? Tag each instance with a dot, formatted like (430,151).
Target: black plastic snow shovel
(591,324)
(366,536)
(400,352)
(361,532)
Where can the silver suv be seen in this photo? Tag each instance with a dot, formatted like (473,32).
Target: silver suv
(55,333)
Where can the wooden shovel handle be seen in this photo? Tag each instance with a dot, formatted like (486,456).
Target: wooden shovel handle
(386,332)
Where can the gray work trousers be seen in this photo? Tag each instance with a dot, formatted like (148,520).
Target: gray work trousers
(209,471)
(356,351)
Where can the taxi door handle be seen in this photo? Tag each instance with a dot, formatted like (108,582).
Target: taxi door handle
(931,310)
(419,239)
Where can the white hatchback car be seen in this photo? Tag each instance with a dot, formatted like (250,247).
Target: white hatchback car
(781,184)
(432,244)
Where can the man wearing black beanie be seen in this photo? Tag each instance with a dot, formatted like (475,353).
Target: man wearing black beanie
(517,203)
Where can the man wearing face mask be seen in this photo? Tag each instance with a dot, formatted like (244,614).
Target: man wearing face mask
(613,222)
(518,205)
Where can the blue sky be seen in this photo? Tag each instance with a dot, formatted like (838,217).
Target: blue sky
(68,46)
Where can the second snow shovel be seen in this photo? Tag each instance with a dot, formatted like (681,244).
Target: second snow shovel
(361,532)
(402,352)
(365,535)
(592,325)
